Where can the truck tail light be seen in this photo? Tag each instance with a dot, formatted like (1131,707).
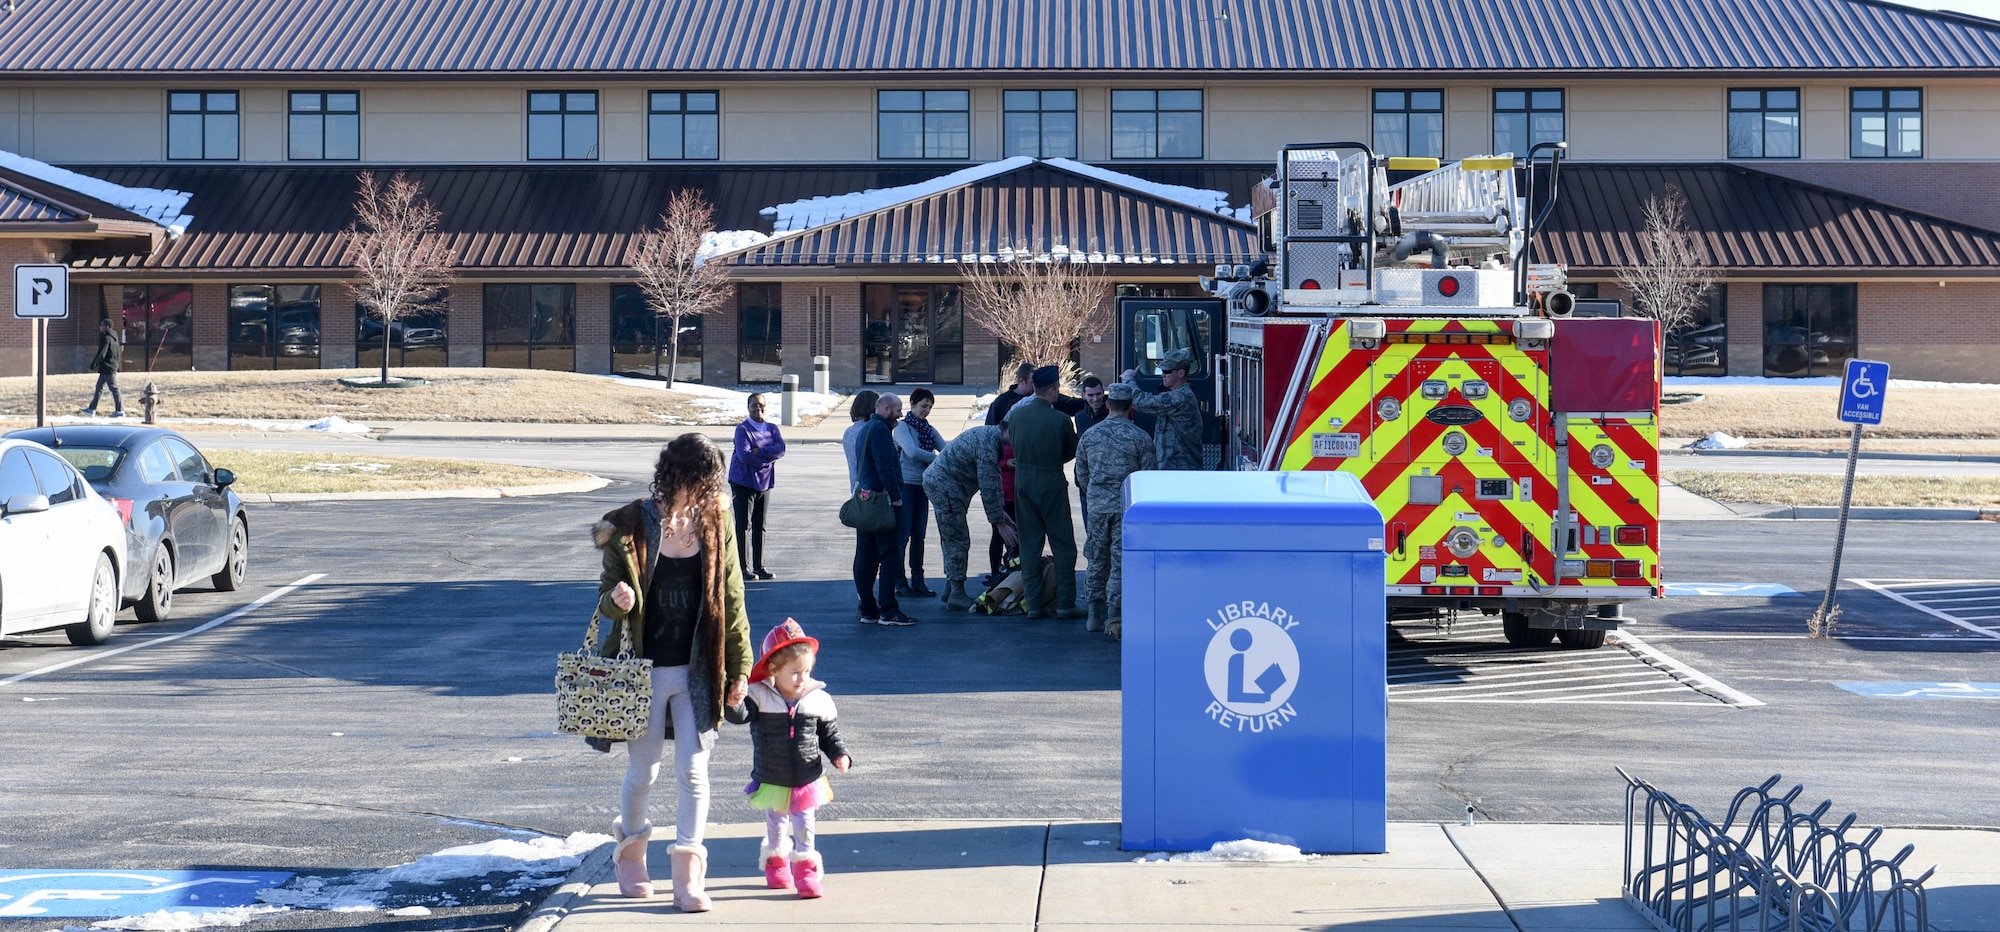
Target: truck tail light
(1461,590)
(1489,590)
(1631,535)
(1597,569)
(1310,284)
(1625,569)
(1434,590)
(124,506)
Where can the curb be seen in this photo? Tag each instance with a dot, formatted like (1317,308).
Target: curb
(1828,513)
(586,484)
(1815,454)
(578,883)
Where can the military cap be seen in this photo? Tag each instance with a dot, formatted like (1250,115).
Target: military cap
(1178,359)
(1047,376)
(1119,391)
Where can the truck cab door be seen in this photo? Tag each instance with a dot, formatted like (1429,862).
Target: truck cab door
(1150,328)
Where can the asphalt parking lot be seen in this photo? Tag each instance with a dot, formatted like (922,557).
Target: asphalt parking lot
(398,700)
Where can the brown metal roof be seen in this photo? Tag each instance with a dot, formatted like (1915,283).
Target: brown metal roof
(290,218)
(1749,220)
(1041,209)
(1252,37)
(19,206)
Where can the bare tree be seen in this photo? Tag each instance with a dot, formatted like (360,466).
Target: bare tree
(394,246)
(1673,278)
(1036,304)
(668,262)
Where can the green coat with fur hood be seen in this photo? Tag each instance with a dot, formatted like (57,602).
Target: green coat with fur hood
(629,538)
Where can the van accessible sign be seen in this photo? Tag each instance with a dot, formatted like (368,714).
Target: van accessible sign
(1863,391)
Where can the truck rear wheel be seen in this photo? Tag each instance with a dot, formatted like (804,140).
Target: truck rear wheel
(1515,626)
(1579,639)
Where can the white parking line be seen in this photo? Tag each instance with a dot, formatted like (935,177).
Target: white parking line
(1732,696)
(1917,593)
(97,655)
(1468,661)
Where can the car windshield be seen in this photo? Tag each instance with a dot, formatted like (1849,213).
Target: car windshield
(94,462)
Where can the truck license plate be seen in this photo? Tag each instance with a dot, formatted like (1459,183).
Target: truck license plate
(1336,445)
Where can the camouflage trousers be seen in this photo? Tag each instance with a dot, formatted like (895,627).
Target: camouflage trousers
(950,506)
(1101,546)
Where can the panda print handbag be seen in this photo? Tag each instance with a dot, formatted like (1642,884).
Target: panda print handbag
(603,697)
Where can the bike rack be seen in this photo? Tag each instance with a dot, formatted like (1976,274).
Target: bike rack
(1769,867)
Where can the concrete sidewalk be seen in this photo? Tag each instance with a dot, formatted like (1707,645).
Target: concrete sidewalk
(955,410)
(1504,877)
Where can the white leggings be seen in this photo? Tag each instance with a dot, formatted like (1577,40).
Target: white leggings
(670,695)
(802,824)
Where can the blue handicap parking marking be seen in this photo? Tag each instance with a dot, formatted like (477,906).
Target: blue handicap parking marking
(1923,690)
(1728,589)
(84,894)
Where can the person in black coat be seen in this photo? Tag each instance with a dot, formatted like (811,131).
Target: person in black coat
(878,469)
(793,736)
(110,353)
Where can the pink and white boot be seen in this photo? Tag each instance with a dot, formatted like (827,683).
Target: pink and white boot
(777,869)
(629,859)
(806,870)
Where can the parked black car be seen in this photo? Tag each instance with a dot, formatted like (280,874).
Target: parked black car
(182,520)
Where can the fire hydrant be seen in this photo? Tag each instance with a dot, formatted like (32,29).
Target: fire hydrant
(150,397)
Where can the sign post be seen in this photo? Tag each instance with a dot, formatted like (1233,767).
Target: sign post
(41,294)
(1863,391)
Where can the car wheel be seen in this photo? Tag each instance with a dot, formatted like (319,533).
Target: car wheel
(237,564)
(95,628)
(158,601)
(1581,640)
(1514,625)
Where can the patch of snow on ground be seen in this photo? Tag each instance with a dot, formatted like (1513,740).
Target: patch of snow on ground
(1831,381)
(1719,440)
(724,406)
(986,400)
(167,920)
(163,207)
(537,862)
(1242,849)
(336,424)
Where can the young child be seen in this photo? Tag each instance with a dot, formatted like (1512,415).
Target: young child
(792,735)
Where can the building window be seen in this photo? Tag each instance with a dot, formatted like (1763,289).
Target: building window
(912,333)
(274,326)
(1701,345)
(682,125)
(157,322)
(639,339)
(1808,329)
(201,125)
(531,327)
(1886,122)
(924,124)
(760,331)
(1039,124)
(562,125)
(1523,119)
(1409,123)
(1156,124)
(1764,124)
(415,338)
(325,125)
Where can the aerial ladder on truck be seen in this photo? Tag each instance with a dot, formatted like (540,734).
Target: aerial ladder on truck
(1398,332)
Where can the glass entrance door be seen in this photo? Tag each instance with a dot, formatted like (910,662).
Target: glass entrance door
(912,333)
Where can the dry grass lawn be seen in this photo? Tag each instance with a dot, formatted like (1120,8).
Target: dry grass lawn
(1883,491)
(1759,411)
(516,395)
(272,472)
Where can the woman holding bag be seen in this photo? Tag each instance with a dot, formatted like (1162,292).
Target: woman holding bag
(672,580)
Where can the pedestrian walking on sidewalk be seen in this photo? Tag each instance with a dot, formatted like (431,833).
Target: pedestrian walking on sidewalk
(671,580)
(110,354)
(751,476)
(1113,449)
(917,445)
(1044,439)
(793,736)
(877,567)
(968,465)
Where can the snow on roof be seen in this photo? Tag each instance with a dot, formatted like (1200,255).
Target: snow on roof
(794,216)
(1197,198)
(162,207)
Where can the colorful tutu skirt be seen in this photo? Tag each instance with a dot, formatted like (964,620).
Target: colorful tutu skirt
(778,798)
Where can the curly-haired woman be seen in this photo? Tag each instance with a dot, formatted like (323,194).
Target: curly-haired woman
(672,579)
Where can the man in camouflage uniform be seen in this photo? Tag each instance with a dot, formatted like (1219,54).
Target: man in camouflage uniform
(969,463)
(1177,429)
(1111,450)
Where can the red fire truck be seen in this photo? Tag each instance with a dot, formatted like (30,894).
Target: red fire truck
(1397,332)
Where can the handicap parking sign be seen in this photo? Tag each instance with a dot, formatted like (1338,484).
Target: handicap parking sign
(83,894)
(1863,391)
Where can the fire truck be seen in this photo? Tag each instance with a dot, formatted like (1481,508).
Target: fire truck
(1398,332)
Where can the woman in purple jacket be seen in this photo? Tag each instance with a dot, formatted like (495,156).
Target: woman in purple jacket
(751,476)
